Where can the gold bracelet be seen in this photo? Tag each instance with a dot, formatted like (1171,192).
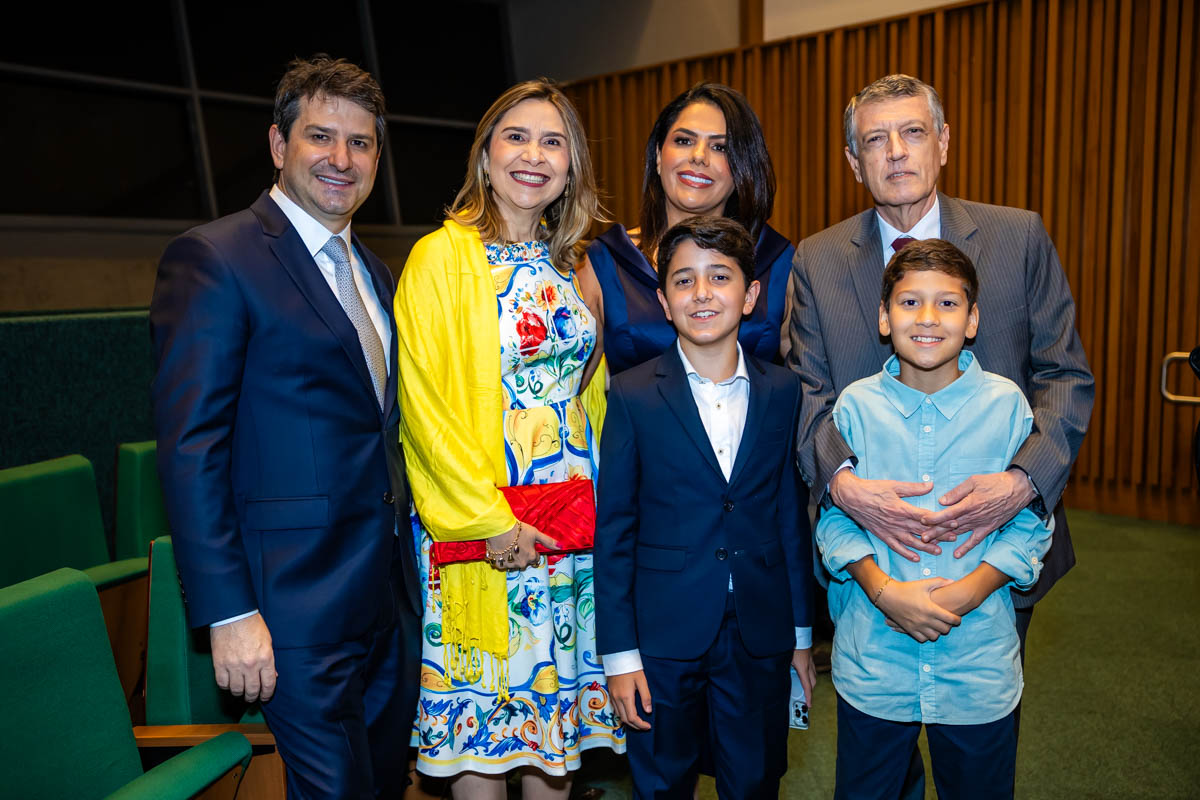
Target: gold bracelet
(879,591)
(506,553)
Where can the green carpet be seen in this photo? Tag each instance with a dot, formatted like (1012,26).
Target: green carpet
(1112,679)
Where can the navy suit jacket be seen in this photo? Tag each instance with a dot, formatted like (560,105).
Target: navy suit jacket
(283,479)
(670,530)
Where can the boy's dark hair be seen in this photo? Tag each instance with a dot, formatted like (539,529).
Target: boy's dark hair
(937,255)
(722,234)
(334,78)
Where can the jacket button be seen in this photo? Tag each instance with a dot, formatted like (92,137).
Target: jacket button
(388,498)
(722,554)
(729,505)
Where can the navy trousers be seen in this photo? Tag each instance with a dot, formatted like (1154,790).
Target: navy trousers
(728,705)
(342,713)
(975,762)
(914,784)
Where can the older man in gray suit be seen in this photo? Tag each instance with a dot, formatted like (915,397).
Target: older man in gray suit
(897,142)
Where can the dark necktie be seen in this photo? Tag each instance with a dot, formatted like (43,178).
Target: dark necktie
(901,242)
(356,310)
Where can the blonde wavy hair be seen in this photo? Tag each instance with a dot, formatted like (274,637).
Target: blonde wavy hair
(571,214)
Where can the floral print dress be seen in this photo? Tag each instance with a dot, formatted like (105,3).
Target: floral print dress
(559,703)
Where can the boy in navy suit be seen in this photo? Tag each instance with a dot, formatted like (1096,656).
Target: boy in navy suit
(702,537)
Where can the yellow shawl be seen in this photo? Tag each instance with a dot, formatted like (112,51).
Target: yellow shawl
(450,405)
(451,426)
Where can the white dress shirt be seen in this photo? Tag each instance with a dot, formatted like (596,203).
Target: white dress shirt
(928,227)
(315,235)
(723,406)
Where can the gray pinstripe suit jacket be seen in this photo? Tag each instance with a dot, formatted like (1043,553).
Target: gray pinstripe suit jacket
(1026,333)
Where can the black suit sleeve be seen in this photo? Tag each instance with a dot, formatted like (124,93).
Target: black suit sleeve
(200,329)
(1061,387)
(820,449)
(616,528)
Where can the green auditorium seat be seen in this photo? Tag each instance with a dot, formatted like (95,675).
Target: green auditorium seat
(180,689)
(141,516)
(182,698)
(50,514)
(66,729)
(50,518)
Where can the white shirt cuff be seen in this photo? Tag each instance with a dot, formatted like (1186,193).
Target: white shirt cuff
(848,463)
(803,638)
(234,619)
(628,661)
(621,663)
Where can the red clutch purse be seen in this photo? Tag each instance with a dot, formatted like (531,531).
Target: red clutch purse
(564,511)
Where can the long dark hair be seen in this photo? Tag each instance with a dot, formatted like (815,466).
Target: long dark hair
(753,196)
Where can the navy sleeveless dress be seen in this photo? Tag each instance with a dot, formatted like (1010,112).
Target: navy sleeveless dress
(635,328)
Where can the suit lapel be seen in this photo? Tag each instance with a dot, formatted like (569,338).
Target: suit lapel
(866,266)
(760,399)
(958,228)
(673,386)
(289,249)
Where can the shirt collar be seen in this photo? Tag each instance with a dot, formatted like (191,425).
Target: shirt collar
(740,372)
(928,227)
(312,233)
(948,400)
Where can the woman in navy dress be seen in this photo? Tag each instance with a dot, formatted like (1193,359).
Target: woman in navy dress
(705,155)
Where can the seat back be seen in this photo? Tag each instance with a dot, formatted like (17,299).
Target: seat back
(141,515)
(180,689)
(64,726)
(49,518)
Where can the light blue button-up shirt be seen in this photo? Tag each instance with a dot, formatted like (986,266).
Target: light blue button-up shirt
(973,674)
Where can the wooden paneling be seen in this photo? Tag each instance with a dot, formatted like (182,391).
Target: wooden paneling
(1085,111)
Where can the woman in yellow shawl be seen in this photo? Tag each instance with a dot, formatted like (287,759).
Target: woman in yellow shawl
(497,337)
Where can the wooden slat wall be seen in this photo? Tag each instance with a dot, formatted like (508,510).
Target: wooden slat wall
(1087,111)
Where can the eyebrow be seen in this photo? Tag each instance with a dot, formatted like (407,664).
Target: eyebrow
(690,132)
(904,124)
(520,129)
(313,127)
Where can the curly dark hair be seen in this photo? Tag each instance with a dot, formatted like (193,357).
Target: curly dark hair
(726,236)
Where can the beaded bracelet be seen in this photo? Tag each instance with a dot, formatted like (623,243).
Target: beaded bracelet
(879,591)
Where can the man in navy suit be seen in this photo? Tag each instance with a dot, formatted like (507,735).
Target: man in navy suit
(278,447)
(702,537)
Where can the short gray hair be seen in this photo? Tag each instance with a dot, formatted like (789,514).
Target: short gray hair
(888,88)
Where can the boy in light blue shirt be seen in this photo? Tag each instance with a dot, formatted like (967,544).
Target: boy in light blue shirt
(931,642)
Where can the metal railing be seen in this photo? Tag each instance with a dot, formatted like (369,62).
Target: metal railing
(1182,399)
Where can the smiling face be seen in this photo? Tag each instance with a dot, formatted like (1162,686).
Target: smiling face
(928,320)
(327,164)
(900,154)
(706,296)
(527,162)
(693,165)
